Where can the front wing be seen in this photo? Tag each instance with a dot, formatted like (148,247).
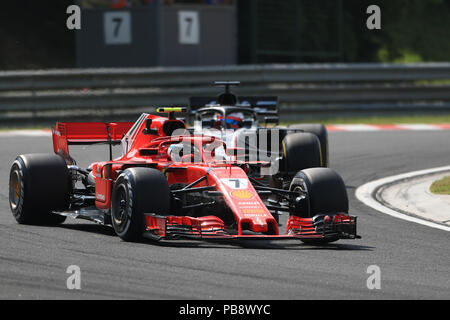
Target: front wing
(337,226)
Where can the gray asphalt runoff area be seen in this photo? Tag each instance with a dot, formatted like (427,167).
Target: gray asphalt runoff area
(413,259)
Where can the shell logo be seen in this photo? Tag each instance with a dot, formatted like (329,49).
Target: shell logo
(242,194)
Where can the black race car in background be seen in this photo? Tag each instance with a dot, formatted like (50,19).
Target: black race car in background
(253,123)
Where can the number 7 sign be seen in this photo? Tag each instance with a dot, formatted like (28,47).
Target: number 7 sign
(117,27)
(188,27)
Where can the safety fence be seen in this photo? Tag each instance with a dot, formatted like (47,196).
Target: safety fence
(303,89)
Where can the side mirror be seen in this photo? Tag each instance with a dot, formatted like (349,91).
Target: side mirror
(148,127)
(207,123)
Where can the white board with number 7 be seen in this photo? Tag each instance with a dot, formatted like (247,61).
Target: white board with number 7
(117,27)
(188,27)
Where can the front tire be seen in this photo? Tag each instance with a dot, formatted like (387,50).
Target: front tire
(325,193)
(138,191)
(320,131)
(301,151)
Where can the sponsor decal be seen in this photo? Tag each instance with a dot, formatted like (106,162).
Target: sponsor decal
(253,211)
(248,203)
(100,196)
(242,194)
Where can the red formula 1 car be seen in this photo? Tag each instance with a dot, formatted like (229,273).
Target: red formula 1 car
(169,184)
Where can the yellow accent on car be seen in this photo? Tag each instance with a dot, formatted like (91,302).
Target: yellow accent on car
(320,151)
(171,109)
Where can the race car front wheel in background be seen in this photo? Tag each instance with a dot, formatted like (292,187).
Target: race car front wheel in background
(38,185)
(300,151)
(138,191)
(325,193)
(321,132)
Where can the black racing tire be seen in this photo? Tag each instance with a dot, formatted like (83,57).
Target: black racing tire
(326,193)
(38,185)
(138,191)
(301,151)
(321,132)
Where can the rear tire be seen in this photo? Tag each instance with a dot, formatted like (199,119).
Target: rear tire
(38,185)
(326,193)
(321,132)
(138,191)
(301,151)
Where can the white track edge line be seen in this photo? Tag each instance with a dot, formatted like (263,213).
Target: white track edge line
(365,194)
(25,133)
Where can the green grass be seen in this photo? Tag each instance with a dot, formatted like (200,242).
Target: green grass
(405,56)
(441,186)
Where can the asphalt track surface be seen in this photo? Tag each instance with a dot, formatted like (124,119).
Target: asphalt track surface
(414,259)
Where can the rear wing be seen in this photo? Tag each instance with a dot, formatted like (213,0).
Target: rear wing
(67,133)
(265,106)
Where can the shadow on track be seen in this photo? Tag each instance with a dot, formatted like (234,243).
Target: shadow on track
(89,227)
(223,244)
(257,244)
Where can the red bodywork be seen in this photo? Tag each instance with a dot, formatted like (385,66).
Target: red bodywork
(151,150)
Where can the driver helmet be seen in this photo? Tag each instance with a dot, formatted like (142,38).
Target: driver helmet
(234,120)
(175,152)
